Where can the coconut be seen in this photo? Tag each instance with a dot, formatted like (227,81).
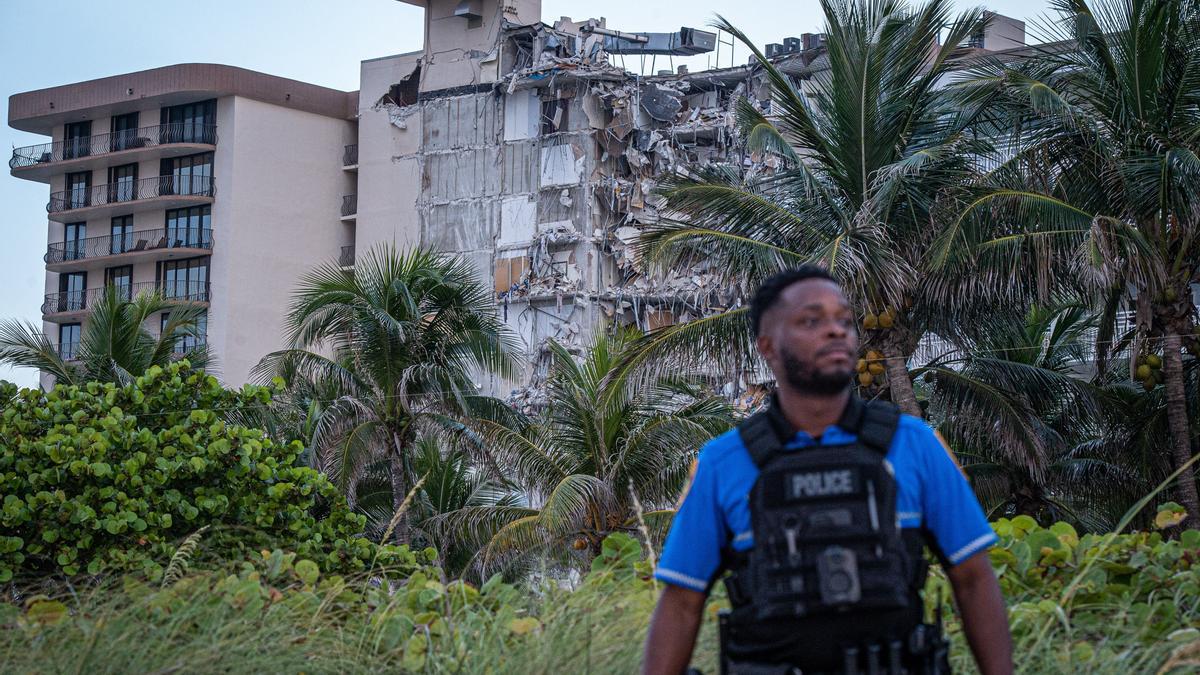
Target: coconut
(861,366)
(1144,372)
(870,322)
(1154,361)
(876,368)
(1158,377)
(579,544)
(874,356)
(1148,384)
(887,319)
(865,379)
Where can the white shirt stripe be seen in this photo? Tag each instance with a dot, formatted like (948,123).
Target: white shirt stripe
(681,579)
(744,536)
(973,547)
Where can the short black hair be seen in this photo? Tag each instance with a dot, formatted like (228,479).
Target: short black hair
(768,293)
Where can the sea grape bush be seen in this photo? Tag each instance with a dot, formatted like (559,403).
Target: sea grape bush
(105,478)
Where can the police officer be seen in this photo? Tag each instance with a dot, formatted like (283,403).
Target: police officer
(819,508)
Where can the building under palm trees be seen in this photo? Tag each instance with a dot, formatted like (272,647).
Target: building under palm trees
(527,148)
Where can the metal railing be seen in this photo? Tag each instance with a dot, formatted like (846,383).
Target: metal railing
(116,193)
(346,259)
(349,205)
(68,351)
(182,348)
(99,144)
(129,242)
(350,155)
(78,301)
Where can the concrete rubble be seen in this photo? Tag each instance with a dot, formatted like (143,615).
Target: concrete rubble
(543,173)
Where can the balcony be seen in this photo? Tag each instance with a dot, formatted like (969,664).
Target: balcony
(40,162)
(68,351)
(346,259)
(156,192)
(349,208)
(350,157)
(131,247)
(71,306)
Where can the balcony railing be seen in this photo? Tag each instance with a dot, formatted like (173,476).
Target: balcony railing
(349,205)
(128,139)
(79,301)
(115,193)
(68,351)
(350,155)
(129,242)
(346,259)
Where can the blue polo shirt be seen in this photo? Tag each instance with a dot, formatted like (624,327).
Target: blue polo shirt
(715,511)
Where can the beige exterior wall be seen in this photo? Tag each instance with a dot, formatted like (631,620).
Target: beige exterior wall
(279,182)
(458,54)
(389,171)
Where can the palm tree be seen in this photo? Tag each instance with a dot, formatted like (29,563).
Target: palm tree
(599,447)
(451,482)
(1098,176)
(395,346)
(115,344)
(1035,436)
(870,149)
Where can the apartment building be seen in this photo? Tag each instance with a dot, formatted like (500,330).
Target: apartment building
(215,185)
(524,147)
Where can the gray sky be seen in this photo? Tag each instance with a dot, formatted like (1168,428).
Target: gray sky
(44,43)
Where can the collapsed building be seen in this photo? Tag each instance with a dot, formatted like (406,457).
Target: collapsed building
(527,148)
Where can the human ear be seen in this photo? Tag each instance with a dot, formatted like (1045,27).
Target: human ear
(766,347)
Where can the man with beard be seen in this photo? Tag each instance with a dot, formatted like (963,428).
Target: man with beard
(819,508)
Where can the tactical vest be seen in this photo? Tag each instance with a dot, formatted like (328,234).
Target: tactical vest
(830,569)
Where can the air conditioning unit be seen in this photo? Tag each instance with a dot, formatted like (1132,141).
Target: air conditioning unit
(774,49)
(792,45)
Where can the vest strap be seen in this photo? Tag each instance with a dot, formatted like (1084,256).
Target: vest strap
(876,426)
(760,438)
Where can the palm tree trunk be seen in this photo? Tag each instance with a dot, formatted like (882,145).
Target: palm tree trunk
(399,471)
(1177,422)
(900,384)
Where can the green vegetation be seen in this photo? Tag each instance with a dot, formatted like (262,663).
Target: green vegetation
(1134,609)
(115,345)
(100,478)
(407,332)
(1035,221)
(599,446)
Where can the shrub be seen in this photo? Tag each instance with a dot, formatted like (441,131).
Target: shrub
(103,478)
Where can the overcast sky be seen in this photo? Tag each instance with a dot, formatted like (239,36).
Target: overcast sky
(44,43)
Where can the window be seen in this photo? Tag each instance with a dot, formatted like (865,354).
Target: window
(121,278)
(190,122)
(73,238)
(79,188)
(68,341)
(191,338)
(191,175)
(122,235)
(190,227)
(554,115)
(185,279)
(72,290)
(125,133)
(122,183)
(77,141)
